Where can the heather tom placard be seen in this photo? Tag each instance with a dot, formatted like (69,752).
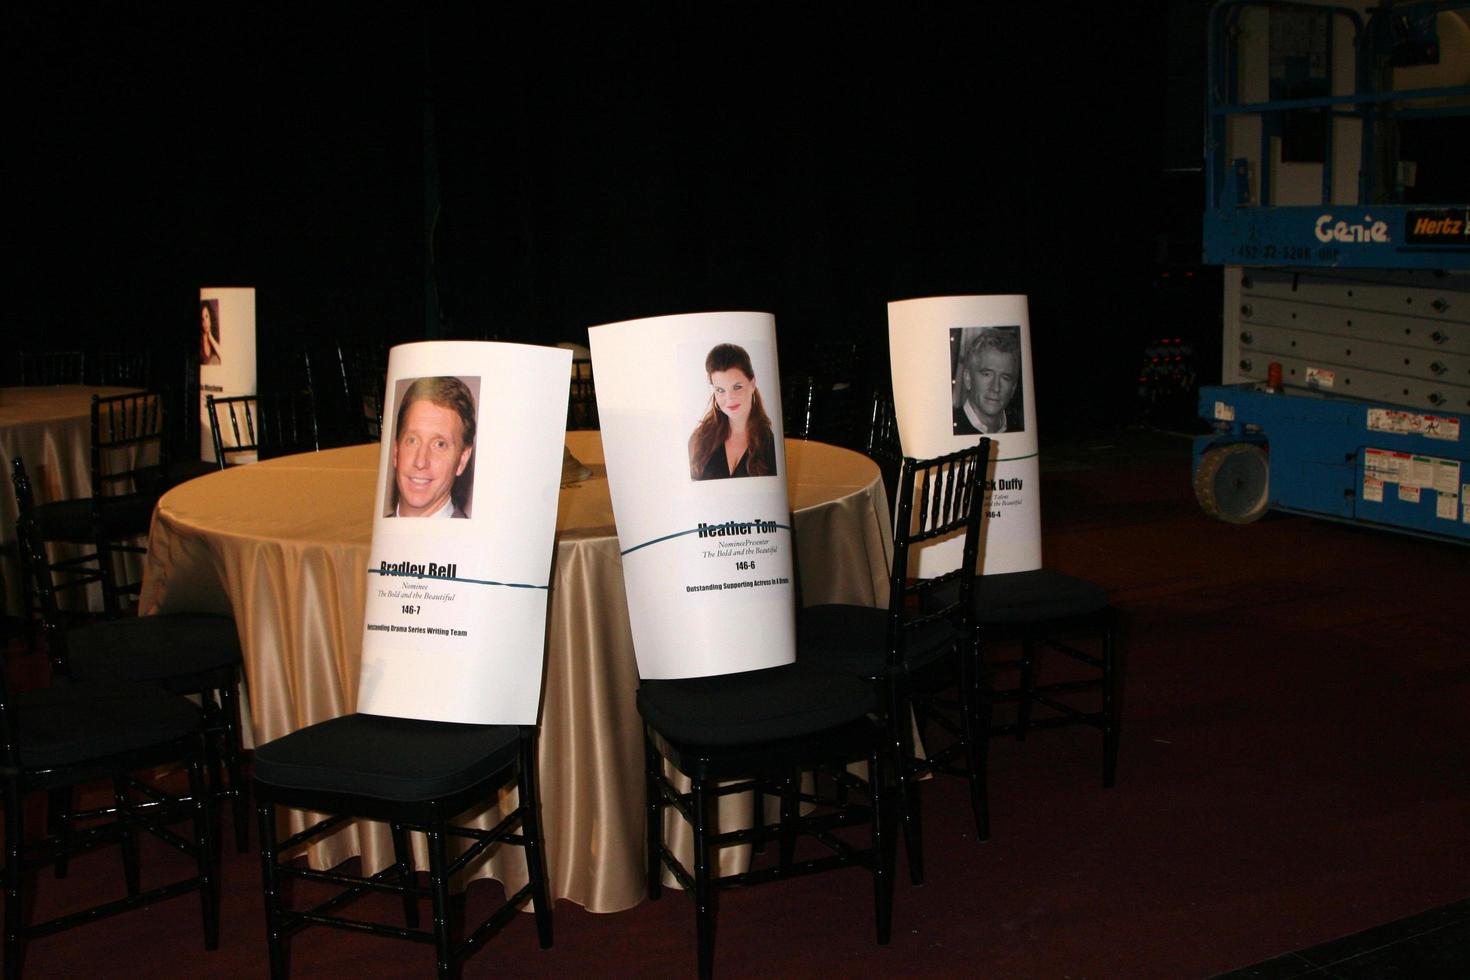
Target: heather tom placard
(690,408)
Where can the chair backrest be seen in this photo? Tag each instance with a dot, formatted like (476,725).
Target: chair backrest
(129,448)
(187,431)
(883,445)
(35,562)
(120,368)
(369,385)
(364,373)
(935,498)
(267,424)
(798,405)
(582,398)
(883,425)
(52,368)
(822,402)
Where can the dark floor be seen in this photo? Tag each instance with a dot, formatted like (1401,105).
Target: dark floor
(1432,944)
(1435,943)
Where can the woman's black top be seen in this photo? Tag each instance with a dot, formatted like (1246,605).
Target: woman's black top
(717,469)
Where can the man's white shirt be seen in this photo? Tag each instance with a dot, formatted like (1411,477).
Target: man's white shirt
(446,511)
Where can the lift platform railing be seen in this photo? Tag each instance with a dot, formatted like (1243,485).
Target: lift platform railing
(1379,229)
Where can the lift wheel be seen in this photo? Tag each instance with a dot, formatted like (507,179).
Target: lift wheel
(1233,482)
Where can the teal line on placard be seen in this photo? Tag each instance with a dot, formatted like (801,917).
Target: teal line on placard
(1012,459)
(678,534)
(469,581)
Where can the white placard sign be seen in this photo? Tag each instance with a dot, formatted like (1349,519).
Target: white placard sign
(690,408)
(962,369)
(226,354)
(456,600)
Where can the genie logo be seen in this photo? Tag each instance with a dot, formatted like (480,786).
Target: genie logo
(1329,230)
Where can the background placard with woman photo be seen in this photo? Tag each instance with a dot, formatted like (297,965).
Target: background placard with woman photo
(226,350)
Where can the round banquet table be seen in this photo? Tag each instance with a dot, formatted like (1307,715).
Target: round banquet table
(283,544)
(50,427)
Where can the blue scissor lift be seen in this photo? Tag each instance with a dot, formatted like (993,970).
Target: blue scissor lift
(1347,307)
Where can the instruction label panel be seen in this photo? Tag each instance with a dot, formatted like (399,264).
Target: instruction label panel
(1414,424)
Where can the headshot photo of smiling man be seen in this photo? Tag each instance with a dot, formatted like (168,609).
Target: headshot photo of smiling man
(986,380)
(433,442)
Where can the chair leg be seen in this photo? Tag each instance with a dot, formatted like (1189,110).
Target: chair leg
(439,885)
(790,810)
(907,794)
(883,846)
(58,824)
(271,889)
(128,842)
(534,843)
(213,766)
(403,859)
(229,700)
(204,853)
(758,820)
(111,602)
(1110,712)
(14,876)
(704,891)
(654,824)
(974,729)
(1026,689)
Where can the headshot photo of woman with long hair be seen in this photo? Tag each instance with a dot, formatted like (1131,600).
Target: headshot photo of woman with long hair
(209,331)
(734,438)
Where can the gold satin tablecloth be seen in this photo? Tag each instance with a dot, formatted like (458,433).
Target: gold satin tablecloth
(50,427)
(283,546)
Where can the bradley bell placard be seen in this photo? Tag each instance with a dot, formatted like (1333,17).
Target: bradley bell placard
(463,530)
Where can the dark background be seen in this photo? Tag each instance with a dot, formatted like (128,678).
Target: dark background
(639,159)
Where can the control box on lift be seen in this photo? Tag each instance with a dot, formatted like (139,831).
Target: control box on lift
(1311,452)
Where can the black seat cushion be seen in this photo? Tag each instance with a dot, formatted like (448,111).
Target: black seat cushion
(73,723)
(154,648)
(127,516)
(1041,594)
(1036,596)
(66,520)
(854,639)
(754,706)
(399,759)
(183,470)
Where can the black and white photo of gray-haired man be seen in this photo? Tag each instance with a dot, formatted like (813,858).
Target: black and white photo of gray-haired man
(985,382)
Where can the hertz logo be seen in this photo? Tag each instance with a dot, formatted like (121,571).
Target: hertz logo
(1438,227)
